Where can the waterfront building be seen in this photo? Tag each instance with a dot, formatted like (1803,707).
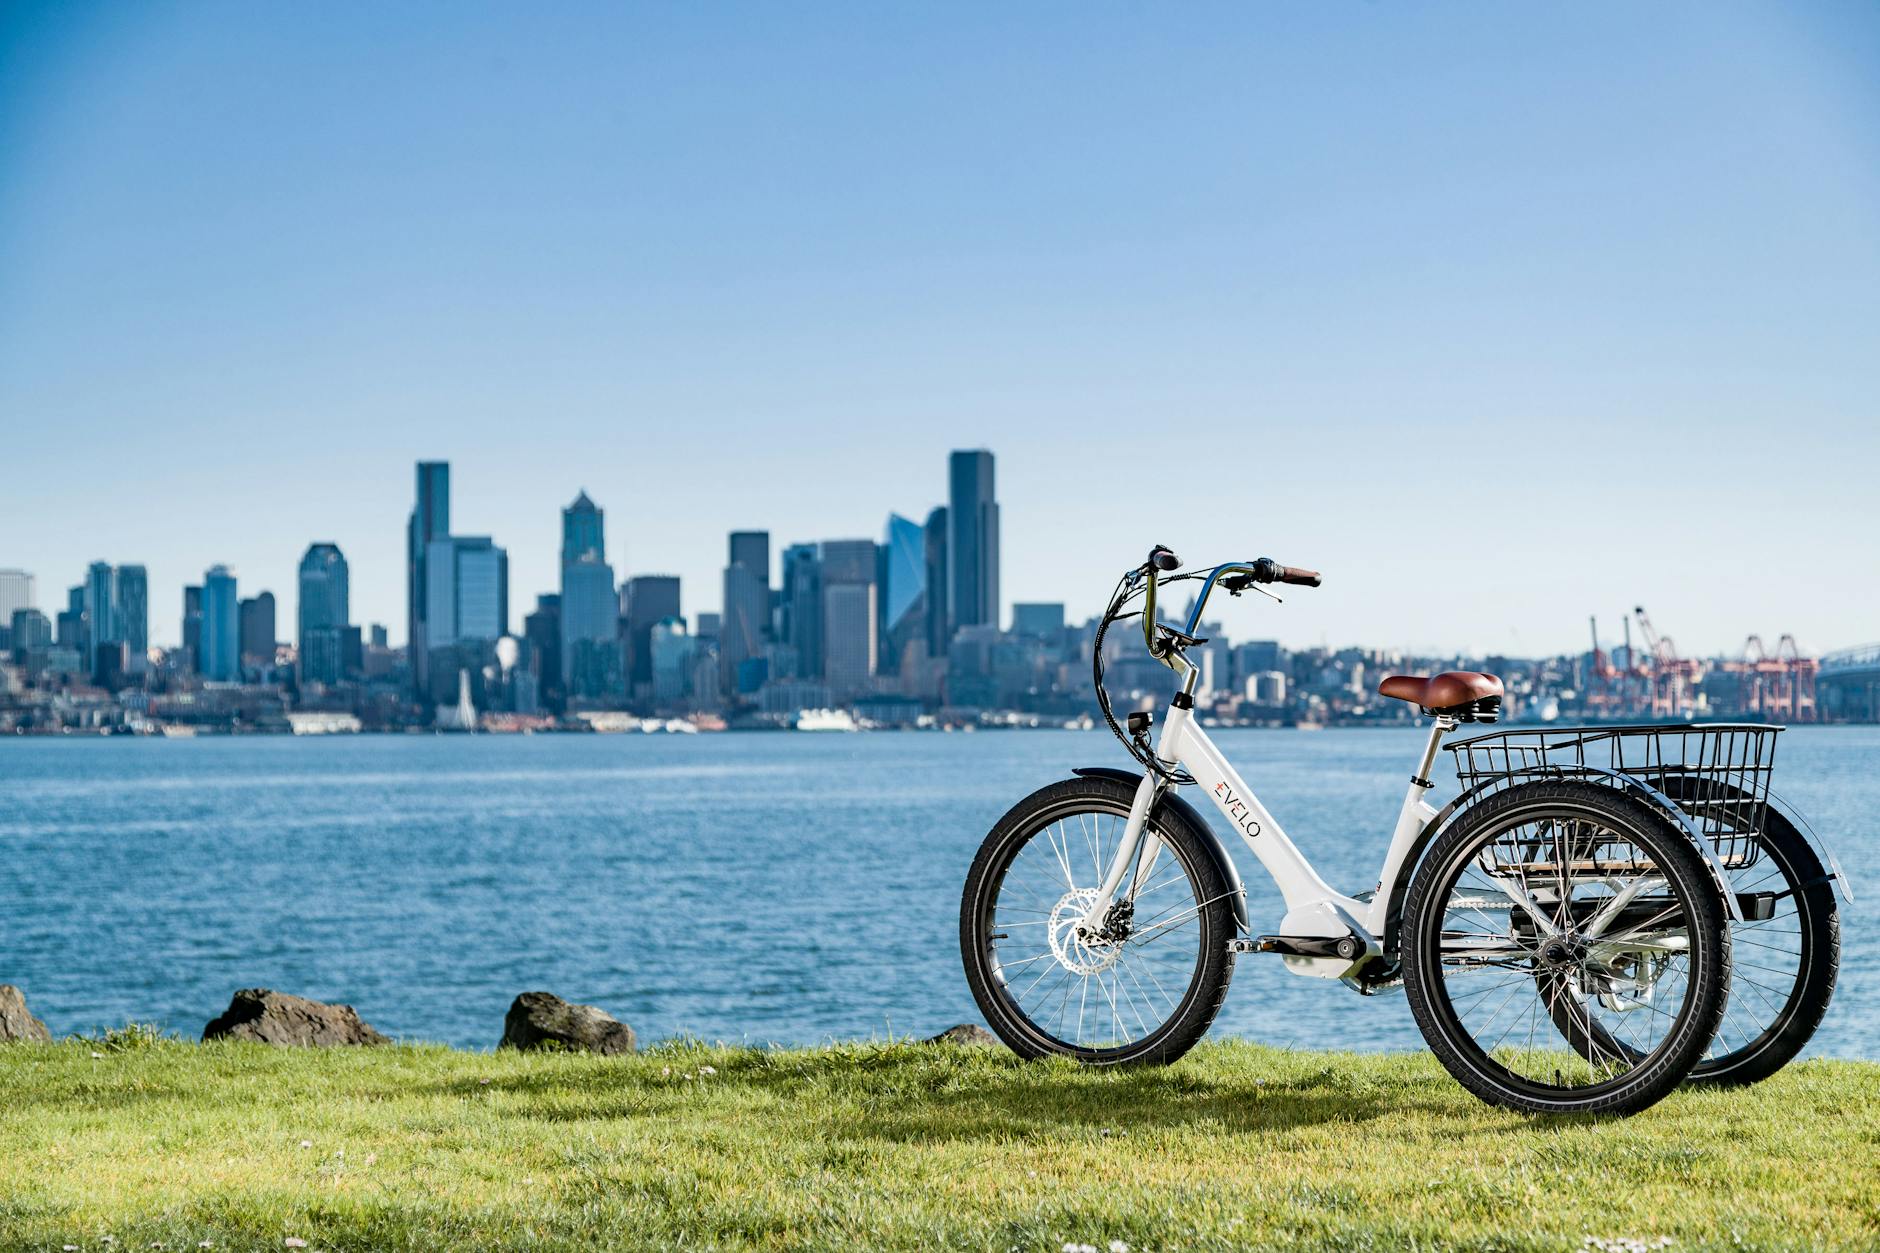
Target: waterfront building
(972,540)
(430,522)
(590,608)
(850,616)
(901,575)
(746,624)
(800,614)
(221,627)
(258,631)
(651,599)
(1043,620)
(131,612)
(16,593)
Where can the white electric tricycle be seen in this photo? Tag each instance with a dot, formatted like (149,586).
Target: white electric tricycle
(1564,929)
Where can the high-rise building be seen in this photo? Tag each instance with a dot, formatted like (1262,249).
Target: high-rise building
(74,623)
(651,600)
(324,613)
(258,630)
(746,623)
(192,627)
(221,626)
(101,604)
(541,630)
(16,593)
(31,630)
(590,608)
(939,621)
(430,522)
(802,607)
(902,594)
(467,591)
(850,617)
(669,660)
(972,541)
(132,615)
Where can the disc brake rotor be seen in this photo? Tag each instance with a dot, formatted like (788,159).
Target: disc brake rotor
(1073,952)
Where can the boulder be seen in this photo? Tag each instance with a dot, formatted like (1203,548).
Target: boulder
(16,1021)
(543,1020)
(290,1022)
(967,1033)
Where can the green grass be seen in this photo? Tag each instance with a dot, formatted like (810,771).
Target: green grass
(893,1146)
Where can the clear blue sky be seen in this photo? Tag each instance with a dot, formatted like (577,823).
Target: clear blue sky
(1500,314)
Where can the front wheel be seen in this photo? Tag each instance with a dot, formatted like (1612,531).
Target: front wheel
(1564,909)
(1148,986)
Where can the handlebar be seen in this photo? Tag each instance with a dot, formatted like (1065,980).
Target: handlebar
(1236,577)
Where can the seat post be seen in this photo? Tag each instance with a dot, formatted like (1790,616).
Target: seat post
(1440,725)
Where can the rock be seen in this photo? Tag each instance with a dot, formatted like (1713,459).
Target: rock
(290,1022)
(967,1033)
(16,1021)
(544,1020)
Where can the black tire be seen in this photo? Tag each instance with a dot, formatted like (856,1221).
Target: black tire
(1774,1009)
(1486,830)
(1167,1034)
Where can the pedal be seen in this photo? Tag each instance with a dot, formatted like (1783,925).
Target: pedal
(1344,947)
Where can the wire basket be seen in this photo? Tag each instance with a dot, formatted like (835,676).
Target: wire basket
(1716,773)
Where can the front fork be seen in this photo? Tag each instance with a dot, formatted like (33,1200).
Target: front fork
(1135,855)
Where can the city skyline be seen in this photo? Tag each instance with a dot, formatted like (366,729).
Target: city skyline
(166,629)
(1386,294)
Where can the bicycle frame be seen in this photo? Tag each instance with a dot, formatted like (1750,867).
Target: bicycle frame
(1313,907)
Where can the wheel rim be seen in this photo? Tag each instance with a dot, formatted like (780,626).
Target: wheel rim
(1562,961)
(1091,995)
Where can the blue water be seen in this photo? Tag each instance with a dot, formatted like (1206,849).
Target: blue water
(741,887)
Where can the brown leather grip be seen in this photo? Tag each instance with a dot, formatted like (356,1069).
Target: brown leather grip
(1304,578)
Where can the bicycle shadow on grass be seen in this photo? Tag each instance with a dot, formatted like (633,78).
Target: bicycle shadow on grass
(927,1093)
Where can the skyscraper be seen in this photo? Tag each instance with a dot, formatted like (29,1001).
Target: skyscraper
(590,609)
(221,626)
(192,626)
(542,631)
(902,561)
(802,607)
(972,541)
(466,592)
(939,620)
(101,603)
(430,522)
(16,593)
(31,629)
(258,630)
(324,613)
(850,617)
(746,623)
(651,600)
(132,614)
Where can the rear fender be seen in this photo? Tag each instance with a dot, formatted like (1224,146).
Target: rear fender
(1183,811)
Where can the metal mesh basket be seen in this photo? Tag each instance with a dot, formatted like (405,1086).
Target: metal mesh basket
(1717,773)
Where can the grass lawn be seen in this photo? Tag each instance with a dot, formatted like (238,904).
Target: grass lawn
(894,1146)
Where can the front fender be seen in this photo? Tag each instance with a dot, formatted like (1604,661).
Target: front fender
(1230,873)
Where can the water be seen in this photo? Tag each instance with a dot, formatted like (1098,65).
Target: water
(744,887)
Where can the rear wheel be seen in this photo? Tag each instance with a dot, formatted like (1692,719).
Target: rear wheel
(1563,907)
(1146,989)
(1783,967)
